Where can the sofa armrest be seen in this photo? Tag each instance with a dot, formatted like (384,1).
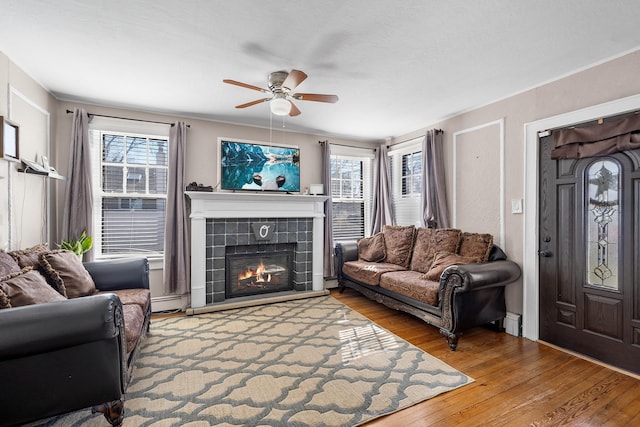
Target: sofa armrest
(41,328)
(346,251)
(483,275)
(473,294)
(118,274)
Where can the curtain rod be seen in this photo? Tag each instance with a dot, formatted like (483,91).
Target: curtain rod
(411,139)
(339,145)
(399,142)
(128,118)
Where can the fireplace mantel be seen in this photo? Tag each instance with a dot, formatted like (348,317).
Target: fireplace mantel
(206,205)
(221,204)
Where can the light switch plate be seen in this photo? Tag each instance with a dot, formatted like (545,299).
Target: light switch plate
(516,206)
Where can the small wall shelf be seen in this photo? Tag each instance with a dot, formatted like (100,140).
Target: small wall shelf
(39,170)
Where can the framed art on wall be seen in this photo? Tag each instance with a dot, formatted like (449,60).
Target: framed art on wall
(9,140)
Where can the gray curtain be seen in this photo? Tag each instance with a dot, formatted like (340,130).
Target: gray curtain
(176,229)
(434,193)
(78,200)
(382,203)
(329,268)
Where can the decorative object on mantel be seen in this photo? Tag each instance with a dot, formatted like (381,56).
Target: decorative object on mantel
(281,83)
(263,230)
(306,363)
(194,186)
(316,189)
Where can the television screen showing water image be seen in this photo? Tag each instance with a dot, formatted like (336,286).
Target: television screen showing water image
(259,167)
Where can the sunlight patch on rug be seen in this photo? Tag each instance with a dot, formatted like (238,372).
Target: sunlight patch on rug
(298,363)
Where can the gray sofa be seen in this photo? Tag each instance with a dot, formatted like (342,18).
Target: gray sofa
(74,351)
(449,279)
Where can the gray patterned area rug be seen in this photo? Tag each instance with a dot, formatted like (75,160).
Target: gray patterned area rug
(310,362)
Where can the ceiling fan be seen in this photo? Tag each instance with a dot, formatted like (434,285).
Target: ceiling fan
(281,84)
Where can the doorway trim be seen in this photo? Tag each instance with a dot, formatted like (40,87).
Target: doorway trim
(530,277)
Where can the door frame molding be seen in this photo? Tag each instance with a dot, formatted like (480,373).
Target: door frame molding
(530,265)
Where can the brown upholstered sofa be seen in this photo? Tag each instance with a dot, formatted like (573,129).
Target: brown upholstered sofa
(69,333)
(449,279)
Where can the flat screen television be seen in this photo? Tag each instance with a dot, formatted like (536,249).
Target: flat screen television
(257,166)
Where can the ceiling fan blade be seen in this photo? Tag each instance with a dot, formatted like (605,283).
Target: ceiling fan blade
(315,97)
(294,78)
(248,86)
(249,104)
(294,110)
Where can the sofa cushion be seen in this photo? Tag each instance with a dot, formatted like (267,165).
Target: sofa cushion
(133,321)
(30,257)
(372,248)
(431,240)
(25,288)
(442,260)
(368,272)
(475,245)
(8,264)
(398,243)
(139,297)
(68,274)
(409,284)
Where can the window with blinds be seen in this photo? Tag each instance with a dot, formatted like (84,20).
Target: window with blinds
(406,182)
(130,181)
(351,195)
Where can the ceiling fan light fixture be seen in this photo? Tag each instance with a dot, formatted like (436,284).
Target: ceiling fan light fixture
(280,106)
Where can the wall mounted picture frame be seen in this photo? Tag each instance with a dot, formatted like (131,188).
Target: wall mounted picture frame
(9,140)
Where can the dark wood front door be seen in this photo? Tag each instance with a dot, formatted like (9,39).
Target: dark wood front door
(589,248)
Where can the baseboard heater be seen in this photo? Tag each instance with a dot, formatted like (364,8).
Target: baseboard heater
(167,303)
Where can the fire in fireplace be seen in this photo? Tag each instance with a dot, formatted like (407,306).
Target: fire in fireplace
(251,274)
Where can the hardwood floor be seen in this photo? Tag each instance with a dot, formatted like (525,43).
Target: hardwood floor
(518,382)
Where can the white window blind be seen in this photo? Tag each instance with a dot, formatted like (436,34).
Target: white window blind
(406,182)
(351,192)
(130,172)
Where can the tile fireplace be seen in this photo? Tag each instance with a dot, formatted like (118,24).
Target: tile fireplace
(229,226)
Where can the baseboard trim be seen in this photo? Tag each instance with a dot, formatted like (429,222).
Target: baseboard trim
(167,303)
(513,324)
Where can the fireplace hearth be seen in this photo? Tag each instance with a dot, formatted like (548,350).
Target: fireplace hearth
(260,273)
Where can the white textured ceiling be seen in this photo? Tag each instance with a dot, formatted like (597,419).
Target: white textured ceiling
(397,66)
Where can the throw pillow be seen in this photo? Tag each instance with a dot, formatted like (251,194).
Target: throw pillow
(372,248)
(398,243)
(25,288)
(476,245)
(68,274)
(428,242)
(442,260)
(4,300)
(30,257)
(8,264)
